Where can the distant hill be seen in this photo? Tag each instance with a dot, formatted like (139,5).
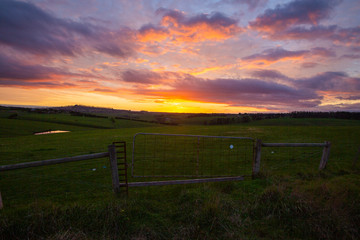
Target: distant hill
(91,110)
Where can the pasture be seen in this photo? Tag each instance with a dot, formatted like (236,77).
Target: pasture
(291,199)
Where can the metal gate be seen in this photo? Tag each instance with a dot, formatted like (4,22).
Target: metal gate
(190,156)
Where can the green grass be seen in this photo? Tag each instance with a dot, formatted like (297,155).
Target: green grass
(290,200)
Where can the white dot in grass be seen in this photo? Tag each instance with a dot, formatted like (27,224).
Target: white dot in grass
(94,169)
(231,146)
(272,152)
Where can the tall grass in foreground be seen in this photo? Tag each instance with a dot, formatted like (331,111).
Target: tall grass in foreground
(266,208)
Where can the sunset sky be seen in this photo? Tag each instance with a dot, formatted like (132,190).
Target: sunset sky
(182,56)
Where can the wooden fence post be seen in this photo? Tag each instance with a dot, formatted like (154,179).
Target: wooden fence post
(257,158)
(325,156)
(114,168)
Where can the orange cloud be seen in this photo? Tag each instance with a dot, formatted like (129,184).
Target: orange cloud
(176,27)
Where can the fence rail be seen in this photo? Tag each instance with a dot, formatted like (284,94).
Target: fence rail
(53,161)
(294,144)
(259,144)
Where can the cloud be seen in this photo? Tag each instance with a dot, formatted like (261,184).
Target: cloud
(330,81)
(150,77)
(309,65)
(32,84)
(275,54)
(252,4)
(262,90)
(178,27)
(268,74)
(351,56)
(297,12)
(24,26)
(11,69)
(301,20)
(334,33)
(14,72)
(279,54)
(236,92)
(349,98)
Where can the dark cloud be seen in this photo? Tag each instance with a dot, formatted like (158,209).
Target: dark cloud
(268,74)
(24,26)
(14,72)
(351,56)
(215,20)
(349,98)
(340,36)
(27,27)
(174,14)
(300,19)
(36,84)
(277,54)
(252,4)
(293,13)
(323,52)
(11,69)
(330,81)
(152,28)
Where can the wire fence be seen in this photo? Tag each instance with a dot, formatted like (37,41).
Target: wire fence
(290,160)
(174,155)
(59,183)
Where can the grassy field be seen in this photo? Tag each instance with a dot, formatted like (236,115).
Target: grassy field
(290,199)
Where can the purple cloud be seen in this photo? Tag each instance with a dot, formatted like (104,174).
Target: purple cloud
(277,54)
(340,36)
(349,98)
(268,74)
(252,4)
(13,72)
(24,26)
(240,92)
(293,13)
(11,69)
(330,81)
(150,77)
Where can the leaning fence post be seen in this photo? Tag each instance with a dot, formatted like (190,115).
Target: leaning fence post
(114,168)
(257,158)
(325,155)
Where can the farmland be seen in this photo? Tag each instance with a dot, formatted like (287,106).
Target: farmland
(291,199)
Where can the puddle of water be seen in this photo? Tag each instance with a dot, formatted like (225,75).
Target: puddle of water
(51,132)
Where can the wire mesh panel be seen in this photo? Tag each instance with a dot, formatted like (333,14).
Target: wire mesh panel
(175,155)
(71,182)
(295,160)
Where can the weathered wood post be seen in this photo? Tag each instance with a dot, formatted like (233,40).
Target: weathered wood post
(325,155)
(114,168)
(257,158)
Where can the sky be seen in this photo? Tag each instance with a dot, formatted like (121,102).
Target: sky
(230,56)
